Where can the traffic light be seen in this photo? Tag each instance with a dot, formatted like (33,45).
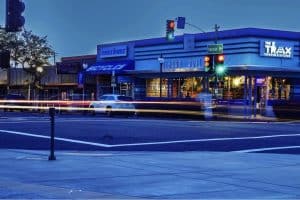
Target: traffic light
(5,59)
(219,64)
(180,22)
(170,29)
(209,64)
(14,19)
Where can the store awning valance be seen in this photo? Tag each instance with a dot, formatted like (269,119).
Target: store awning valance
(110,67)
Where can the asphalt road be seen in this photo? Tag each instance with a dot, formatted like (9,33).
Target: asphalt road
(75,132)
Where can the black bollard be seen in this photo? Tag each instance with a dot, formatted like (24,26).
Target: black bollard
(52,114)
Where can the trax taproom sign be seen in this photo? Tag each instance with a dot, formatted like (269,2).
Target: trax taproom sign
(277,49)
(113,51)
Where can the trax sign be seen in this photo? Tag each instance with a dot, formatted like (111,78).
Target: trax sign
(276,49)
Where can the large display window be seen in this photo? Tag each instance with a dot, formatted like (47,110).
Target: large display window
(153,87)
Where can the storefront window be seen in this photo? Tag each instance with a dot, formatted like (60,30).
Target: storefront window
(153,87)
(228,87)
(279,88)
(233,87)
(175,87)
(192,86)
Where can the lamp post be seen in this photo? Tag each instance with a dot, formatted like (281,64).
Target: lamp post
(161,61)
(39,71)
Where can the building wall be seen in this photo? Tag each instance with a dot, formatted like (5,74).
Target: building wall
(238,52)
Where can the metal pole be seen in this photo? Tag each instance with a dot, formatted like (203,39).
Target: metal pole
(255,96)
(161,61)
(8,81)
(245,96)
(250,96)
(216,32)
(160,80)
(52,114)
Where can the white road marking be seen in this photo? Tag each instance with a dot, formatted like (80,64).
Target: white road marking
(266,149)
(86,154)
(148,143)
(206,140)
(56,138)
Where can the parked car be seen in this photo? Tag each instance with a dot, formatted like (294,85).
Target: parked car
(15,100)
(113,103)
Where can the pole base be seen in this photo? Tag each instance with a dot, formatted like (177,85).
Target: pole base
(51,157)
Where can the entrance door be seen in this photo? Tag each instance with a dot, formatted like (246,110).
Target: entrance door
(261,98)
(125,89)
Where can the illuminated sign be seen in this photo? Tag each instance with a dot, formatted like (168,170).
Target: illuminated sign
(182,65)
(110,67)
(113,51)
(276,49)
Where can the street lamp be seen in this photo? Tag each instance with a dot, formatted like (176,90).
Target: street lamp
(39,69)
(161,61)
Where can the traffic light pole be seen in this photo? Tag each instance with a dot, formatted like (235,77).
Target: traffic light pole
(196,27)
(161,62)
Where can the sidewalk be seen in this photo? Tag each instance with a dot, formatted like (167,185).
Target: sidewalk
(129,175)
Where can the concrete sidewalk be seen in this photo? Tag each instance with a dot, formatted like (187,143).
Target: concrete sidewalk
(129,175)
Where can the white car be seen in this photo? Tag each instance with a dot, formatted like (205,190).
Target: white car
(113,103)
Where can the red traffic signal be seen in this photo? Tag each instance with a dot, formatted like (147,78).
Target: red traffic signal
(170,29)
(219,59)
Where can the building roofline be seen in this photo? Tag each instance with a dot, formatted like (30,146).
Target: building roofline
(78,58)
(225,34)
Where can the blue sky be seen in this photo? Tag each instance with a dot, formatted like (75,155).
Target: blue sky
(75,27)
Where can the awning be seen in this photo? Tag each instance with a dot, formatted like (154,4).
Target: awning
(109,67)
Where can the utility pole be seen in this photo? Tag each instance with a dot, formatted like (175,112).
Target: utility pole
(216,32)
(161,62)
(216,28)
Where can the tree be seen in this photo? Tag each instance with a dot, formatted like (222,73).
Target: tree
(30,51)
(33,53)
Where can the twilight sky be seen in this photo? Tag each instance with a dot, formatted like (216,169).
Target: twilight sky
(75,27)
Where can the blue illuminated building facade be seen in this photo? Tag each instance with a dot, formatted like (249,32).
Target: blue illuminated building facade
(261,65)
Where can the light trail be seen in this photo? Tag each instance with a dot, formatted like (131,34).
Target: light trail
(83,106)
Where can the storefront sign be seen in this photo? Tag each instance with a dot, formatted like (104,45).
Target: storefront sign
(260,81)
(110,67)
(276,49)
(113,51)
(68,68)
(182,65)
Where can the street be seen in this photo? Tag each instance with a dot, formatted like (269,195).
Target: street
(119,157)
(75,132)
